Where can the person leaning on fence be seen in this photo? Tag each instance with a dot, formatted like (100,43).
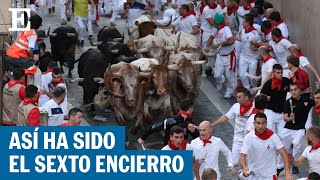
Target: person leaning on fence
(74,116)
(13,94)
(28,112)
(20,53)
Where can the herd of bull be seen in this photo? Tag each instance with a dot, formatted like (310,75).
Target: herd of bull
(137,78)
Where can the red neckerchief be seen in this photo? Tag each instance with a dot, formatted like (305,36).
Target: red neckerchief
(14,82)
(265,135)
(269,30)
(251,28)
(299,54)
(56,83)
(247,7)
(223,6)
(205,141)
(185,113)
(27,101)
(315,147)
(280,39)
(183,145)
(201,9)
(193,13)
(65,124)
(222,25)
(213,7)
(281,21)
(254,111)
(245,108)
(317,109)
(186,15)
(231,10)
(267,58)
(252,1)
(47,71)
(276,83)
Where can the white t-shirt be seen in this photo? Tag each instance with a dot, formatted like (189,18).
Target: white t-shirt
(281,49)
(267,68)
(246,39)
(261,154)
(211,153)
(186,24)
(55,112)
(222,36)
(303,62)
(313,159)
(284,29)
(231,19)
(240,121)
(209,13)
(240,13)
(46,79)
(32,40)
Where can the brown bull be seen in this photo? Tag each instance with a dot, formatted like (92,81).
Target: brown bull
(126,86)
(184,83)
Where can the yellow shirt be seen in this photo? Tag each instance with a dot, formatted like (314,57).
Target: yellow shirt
(80,7)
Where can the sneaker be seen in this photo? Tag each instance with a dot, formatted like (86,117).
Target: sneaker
(82,43)
(63,22)
(279,171)
(112,24)
(219,87)
(49,10)
(295,170)
(53,9)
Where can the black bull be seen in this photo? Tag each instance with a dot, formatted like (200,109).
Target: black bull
(63,44)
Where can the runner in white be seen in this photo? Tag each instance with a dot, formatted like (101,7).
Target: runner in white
(279,23)
(206,149)
(226,58)
(260,151)
(312,152)
(240,112)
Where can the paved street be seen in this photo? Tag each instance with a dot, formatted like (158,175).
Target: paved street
(209,104)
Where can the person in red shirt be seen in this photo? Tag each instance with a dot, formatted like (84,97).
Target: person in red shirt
(75,116)
(298,75)
(28,112)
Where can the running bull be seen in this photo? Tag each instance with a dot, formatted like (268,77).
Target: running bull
(107,34)
(63,45)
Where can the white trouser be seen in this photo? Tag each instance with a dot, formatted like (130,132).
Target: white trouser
(80,22)
(291,137)
(107,6)
(275,122)
(41,10)
(255,177)
(246,64)
(223,66)
(157,5)
(63,11)
(116,10)
(236,149)
(205,35)
(90,17)
(238,47)
(51,3)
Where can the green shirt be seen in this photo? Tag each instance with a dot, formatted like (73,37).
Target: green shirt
(80,7)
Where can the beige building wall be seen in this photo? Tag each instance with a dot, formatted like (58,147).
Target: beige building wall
(303,20)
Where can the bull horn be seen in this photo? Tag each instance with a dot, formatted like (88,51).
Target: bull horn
(143,50)
(199,62)
(53,34)
(170,48)
(133,30)
(98,80)
(174,67)
(95,44)
(115,51)
(71,34)
(77,80)
(144,74)
(117,39)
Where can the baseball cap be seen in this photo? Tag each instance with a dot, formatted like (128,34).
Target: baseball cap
(218,19)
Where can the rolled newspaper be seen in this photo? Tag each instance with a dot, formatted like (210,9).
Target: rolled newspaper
(44,115)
